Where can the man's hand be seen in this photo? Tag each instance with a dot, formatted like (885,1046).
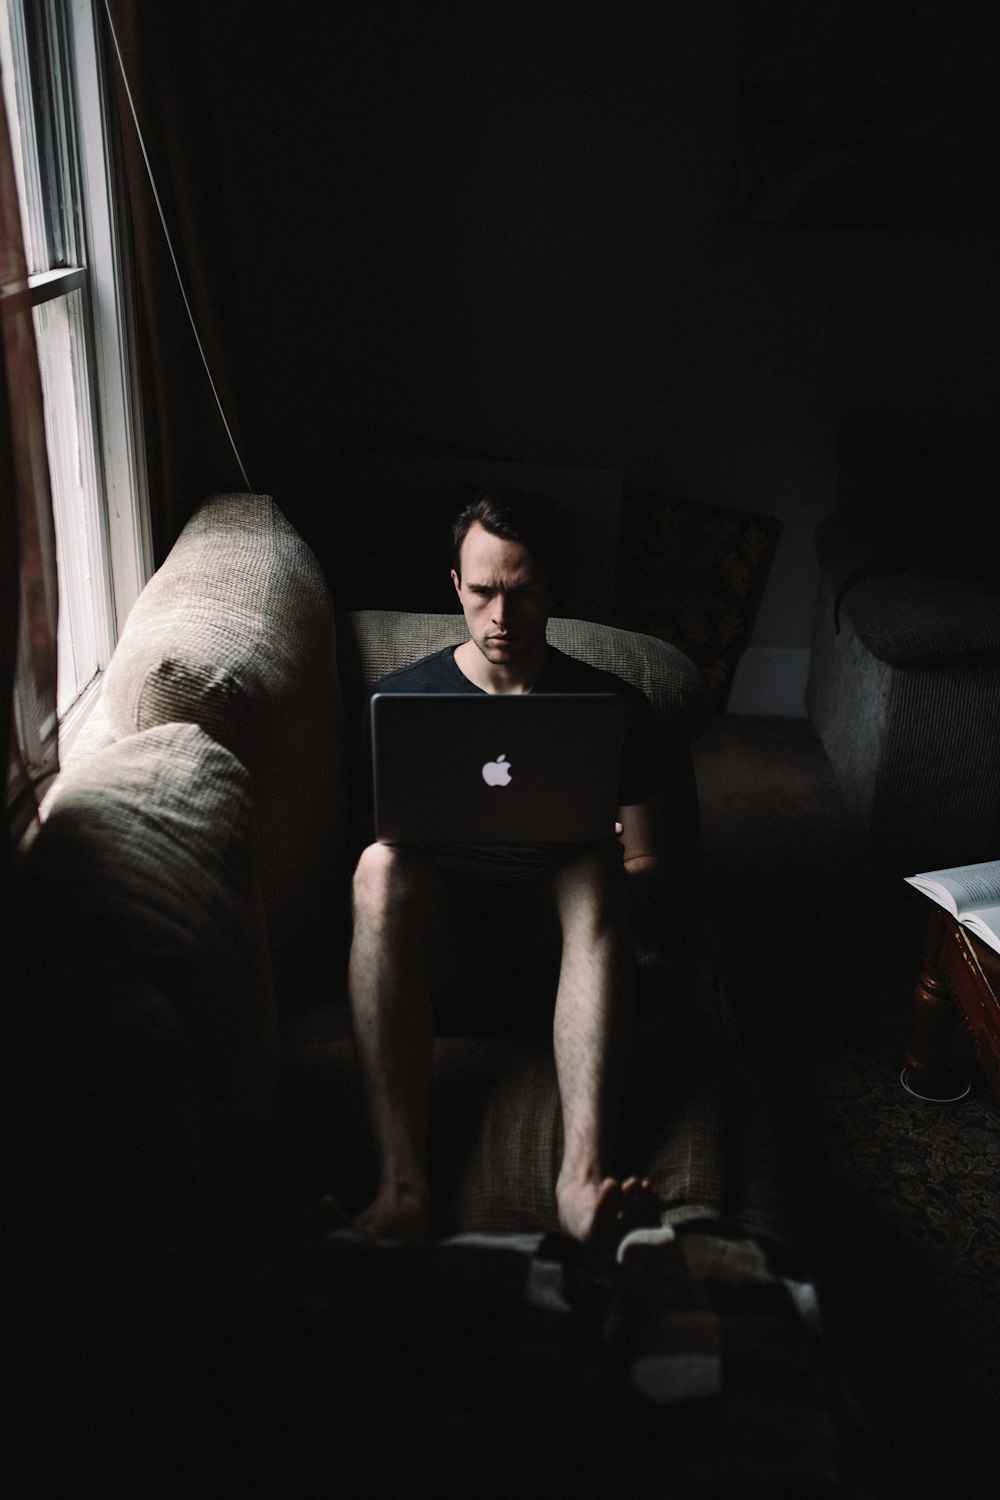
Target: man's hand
(636,830)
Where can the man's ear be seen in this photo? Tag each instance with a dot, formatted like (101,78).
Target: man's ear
(457,582)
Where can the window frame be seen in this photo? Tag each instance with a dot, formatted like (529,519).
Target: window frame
(85,227)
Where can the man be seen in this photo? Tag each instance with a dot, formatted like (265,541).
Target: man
(410,904)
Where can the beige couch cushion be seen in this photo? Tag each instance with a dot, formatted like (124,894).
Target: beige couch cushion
(236,633)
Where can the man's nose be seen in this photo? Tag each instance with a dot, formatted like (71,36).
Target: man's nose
(500,607)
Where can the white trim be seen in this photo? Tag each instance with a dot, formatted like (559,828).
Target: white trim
(46,286)
(80,294)
(771,681)
(75,718)
(121,457)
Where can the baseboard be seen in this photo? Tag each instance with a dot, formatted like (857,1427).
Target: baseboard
(771,680)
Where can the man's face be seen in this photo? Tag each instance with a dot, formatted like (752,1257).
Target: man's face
(504,597)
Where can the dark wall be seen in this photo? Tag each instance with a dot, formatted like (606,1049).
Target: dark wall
(513,234)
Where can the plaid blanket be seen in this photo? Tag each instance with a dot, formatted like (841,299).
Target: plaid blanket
(494,1364)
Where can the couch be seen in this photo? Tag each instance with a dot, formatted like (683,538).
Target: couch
(181,1084)
(904,685)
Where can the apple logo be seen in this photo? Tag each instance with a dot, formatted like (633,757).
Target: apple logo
(497,772)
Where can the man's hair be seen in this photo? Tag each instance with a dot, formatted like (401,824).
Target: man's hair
(515,516)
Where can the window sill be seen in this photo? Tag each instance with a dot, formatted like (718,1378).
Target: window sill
(71,726)
(78,715)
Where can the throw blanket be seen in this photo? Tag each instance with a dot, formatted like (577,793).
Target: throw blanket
(523,1364)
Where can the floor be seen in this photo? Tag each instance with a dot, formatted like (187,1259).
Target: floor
(895,1205)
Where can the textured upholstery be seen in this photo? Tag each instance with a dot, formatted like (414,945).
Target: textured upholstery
(904,681)
(139,1066)
(908,616)
(235,632)
(913,746)
(386,639)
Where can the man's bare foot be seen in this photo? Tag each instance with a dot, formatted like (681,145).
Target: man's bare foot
(398,1213)
(601,1213)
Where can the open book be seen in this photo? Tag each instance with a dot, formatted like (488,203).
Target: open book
(971,893)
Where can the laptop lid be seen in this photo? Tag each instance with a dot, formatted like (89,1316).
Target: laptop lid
(495,768)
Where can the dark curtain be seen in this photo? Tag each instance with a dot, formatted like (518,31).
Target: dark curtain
(28,586)
(188,452)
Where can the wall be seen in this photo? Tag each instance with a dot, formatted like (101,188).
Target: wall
(508,229)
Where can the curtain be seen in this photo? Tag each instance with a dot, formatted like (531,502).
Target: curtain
(155,72)
(28,588)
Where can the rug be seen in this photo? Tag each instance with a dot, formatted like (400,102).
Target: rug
(895,1203)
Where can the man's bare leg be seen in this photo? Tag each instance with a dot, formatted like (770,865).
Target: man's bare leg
(396,913)
(593,1018)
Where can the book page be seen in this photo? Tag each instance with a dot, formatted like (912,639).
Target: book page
(985,923)
(967,885)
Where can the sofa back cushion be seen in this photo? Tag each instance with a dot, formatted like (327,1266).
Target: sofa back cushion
(236,633)
(382,640)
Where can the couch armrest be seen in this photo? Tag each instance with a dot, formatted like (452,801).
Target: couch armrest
(236,633)
(141,1056)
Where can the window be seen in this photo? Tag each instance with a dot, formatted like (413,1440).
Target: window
(54,93)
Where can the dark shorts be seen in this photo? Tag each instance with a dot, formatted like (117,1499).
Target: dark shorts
(508,869)
(505,949)
(503,943)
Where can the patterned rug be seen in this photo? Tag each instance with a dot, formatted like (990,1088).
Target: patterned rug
(943,1194)
(911,1274)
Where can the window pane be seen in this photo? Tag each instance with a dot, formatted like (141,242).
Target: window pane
(23,135)
(83,604)
(53,92)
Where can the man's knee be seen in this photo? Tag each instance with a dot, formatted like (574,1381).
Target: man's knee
(400,905)
(387,876)
(590,890)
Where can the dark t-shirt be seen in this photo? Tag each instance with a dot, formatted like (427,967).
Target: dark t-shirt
(511,865)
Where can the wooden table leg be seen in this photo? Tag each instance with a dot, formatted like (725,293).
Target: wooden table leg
(927,1070)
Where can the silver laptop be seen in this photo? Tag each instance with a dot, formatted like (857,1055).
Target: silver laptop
(495,768)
